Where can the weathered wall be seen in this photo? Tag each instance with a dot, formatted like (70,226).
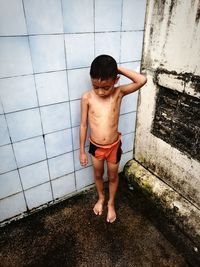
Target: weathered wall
(168,120)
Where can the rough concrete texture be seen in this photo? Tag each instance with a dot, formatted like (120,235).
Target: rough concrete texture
(69,234)
(180,211)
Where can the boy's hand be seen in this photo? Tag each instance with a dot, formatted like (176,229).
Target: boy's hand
(83,159)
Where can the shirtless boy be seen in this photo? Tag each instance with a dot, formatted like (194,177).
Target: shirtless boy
(101,108)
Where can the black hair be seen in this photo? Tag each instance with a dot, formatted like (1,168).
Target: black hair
(104,67)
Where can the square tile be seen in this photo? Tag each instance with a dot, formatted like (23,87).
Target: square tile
(61,165)
(58,143)
(124,159)
(127,142)
(108,43)
(12,206)
(43,16)
(34,174)
(15,57)
(77,86)
(24,124)
(129,103)
(29,151)
(9,184)
(78,16)
(52,87)
(77,161)
(63,186)
(7,159)
(133,15)
(12,18)
(127,123)
(47,53)
(84,177)
(108,15)
(1,107)
(55,117)
(76,57)
(38,195)
(131,46)
(18,93)
(4,134)
(75,112)
(75,134)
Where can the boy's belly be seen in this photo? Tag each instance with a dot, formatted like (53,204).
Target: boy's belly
(103,135)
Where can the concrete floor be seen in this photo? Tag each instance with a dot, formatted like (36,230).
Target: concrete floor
(69,234)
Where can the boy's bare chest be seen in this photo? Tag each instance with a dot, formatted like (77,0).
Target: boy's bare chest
(104,107)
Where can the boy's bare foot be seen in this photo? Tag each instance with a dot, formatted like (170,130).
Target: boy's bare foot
(111,217)
(98,207)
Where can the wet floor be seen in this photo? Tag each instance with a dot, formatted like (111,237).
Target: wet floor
(69,234)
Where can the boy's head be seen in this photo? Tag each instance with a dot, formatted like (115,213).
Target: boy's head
(103,74)
(104,67)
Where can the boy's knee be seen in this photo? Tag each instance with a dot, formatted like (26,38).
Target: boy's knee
(98,176)
(112,178)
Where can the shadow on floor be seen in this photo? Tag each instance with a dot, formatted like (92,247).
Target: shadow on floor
(69,234)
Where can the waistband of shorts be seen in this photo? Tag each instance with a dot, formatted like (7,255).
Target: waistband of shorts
(106,146)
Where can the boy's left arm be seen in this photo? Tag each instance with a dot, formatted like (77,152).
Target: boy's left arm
(138,81)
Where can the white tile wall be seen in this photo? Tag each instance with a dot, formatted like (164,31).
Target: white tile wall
(108,43)
(133,15)
(55,117)
(46,48)
(12,20)
(78,16)
(7,159)
(18,93)
(9,184)
(43,16)
(76,57)
(15,57)
(79,82)
(24,124)
(34,174)
(61,165)
(75,111)
(84,177)
(29,151)
(52,87)
(63,186)
(12,206)
(47,53)
(127,123)
(58,143)
(1,107)
(38,195)
(4,134)
(108,15)
(131,46)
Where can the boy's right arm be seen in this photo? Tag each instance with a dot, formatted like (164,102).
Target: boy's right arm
(83,130)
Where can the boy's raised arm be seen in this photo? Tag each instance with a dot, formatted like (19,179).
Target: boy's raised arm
(83,130)
(138,80)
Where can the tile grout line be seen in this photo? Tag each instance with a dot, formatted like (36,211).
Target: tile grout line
(65,53)
(43,134)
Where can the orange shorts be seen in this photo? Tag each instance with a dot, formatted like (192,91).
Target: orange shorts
(112,153)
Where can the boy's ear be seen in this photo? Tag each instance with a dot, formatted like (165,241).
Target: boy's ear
(117,79)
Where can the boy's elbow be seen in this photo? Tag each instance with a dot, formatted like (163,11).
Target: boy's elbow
(144,80)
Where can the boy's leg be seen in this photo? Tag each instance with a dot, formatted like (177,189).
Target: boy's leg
(113,184)
(98,167)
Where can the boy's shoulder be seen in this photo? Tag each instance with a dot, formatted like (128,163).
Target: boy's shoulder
(87,94)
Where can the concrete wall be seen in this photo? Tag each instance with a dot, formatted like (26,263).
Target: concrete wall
(46,48)
(168,126)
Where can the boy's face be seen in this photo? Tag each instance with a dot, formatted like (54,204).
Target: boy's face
(104,88)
